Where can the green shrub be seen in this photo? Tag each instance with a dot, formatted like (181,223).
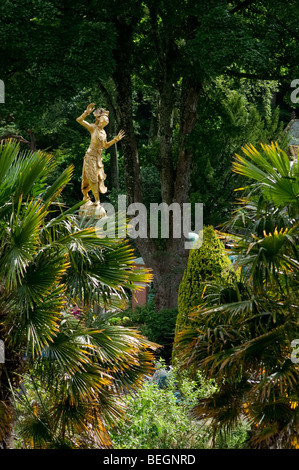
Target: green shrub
(157,327)
(158,419)
(207,263)
(161,418)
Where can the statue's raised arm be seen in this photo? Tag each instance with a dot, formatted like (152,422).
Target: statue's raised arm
(87,112)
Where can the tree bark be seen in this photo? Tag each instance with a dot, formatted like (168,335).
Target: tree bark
(168,268)
(32,139)
(122,80)
(165,166)
(168,265)
(188,118)
(113,126)
(114,167)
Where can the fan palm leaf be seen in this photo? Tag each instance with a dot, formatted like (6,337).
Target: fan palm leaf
(276,178)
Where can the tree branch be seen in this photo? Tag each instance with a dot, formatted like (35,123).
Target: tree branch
(16,137)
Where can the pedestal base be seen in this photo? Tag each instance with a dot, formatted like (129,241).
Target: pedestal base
(92,209)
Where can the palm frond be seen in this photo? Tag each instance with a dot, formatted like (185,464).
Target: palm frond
(278,180)
(8,155)
(21,241)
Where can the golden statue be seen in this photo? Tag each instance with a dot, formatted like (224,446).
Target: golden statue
(93,175)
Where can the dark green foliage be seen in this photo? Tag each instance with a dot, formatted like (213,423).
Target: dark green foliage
(158,327)
(43,48)
(207,263)
(231,114)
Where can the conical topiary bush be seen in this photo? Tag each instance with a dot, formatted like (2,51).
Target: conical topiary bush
(207,263)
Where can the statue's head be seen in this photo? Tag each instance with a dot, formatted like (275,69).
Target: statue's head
(101,115)
(100,112)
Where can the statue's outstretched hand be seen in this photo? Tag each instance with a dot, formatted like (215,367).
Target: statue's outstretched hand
(120,135)
(90,108)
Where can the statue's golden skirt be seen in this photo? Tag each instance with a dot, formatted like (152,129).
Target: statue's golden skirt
(93,172)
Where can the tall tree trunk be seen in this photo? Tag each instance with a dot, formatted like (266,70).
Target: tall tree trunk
(114,128)
(188,118)
(168,265)
(114,167)
(114,170)
(168,268)
(32,139)
(165,165)
(122,80)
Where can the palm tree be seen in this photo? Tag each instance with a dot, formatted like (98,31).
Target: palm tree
(242,335)
(49,259)
(78,382)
